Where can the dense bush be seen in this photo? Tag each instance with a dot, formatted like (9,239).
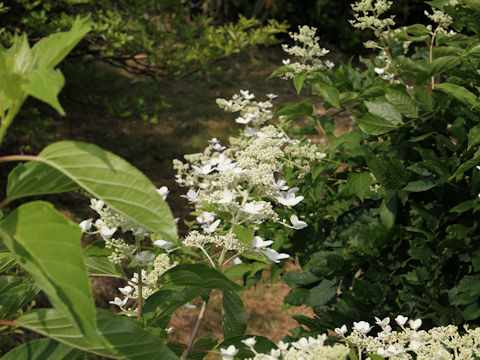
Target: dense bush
(393,206)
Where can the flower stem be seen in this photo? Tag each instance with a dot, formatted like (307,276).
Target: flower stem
(195,331)
(140,291)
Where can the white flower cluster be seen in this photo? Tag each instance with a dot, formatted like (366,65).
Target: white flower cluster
(243,180)
(368,16)
(305,348)
(308,53)
(440,343)
(439,17)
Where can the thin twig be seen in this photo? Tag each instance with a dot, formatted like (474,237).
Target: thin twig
(195,331)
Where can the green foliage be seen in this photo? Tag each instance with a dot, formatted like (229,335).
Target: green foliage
(158,38)
(393,208)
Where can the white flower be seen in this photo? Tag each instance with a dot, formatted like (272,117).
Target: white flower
(204,170)
(249,132)
(119,302)
(246,94)
(162,244)
(401,320)
(212,227)
(274,256)
(250,342)
(213,140)
(169,330)
(258,242)
(144,258)
(227,197)
(228,353)
(242,120)
(342,330)
(189,306)
(272,96)
(281,184)
(297,224)
(97,205)
(383,322)
(205,217)
(286,61)
(192,196)
(415,324)
(362,327)
(163,191)
(289,199)
(127,290)
(252,208)
(104,230)
(86,225)
(389,352)
(236,261)
(379,71)
(478,167)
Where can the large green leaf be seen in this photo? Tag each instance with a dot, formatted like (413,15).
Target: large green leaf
(126,340)
(160,306)
(473,136)
(47,245)
(112,179)
(402,102)
(42,349)
(234,319)
(49,51)
(374,125)
(35,178)
(15,292)
(198,275)
(45,85)
(384,110)
(101,266)
(328,93)
(458,92)
(359,183)
(444,63)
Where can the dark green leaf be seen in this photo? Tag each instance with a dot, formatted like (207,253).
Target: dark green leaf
(473,136)
(420,185)
(384,110)
(374,125)
(322,293)
(294,110)
(359,183)
(458,92)
(7,261)
(402,102)
(328,93)
(198,275)
(388,210)
(15,293)
(124,337)
(42,349)
(444,63)
(234,319)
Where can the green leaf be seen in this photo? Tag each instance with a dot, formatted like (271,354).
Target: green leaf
(42,349)
(15,293)
(244,234)
(327,92)
(50,51)
(388,210)
(467,165)
(443,63)
(423,96)
(373,125)
(359,183)
(45,85)
(198,275)
(234,319)
(384,110)
(298,81)
(7,261)
(47,245)
(237,271)
(101,266)
(322,293)
(473,136)
(402,102)
(34,178)
(112,179)
(280,71)
(125,338)
(420,185)
(293,110)
(160,306)
(458,92)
